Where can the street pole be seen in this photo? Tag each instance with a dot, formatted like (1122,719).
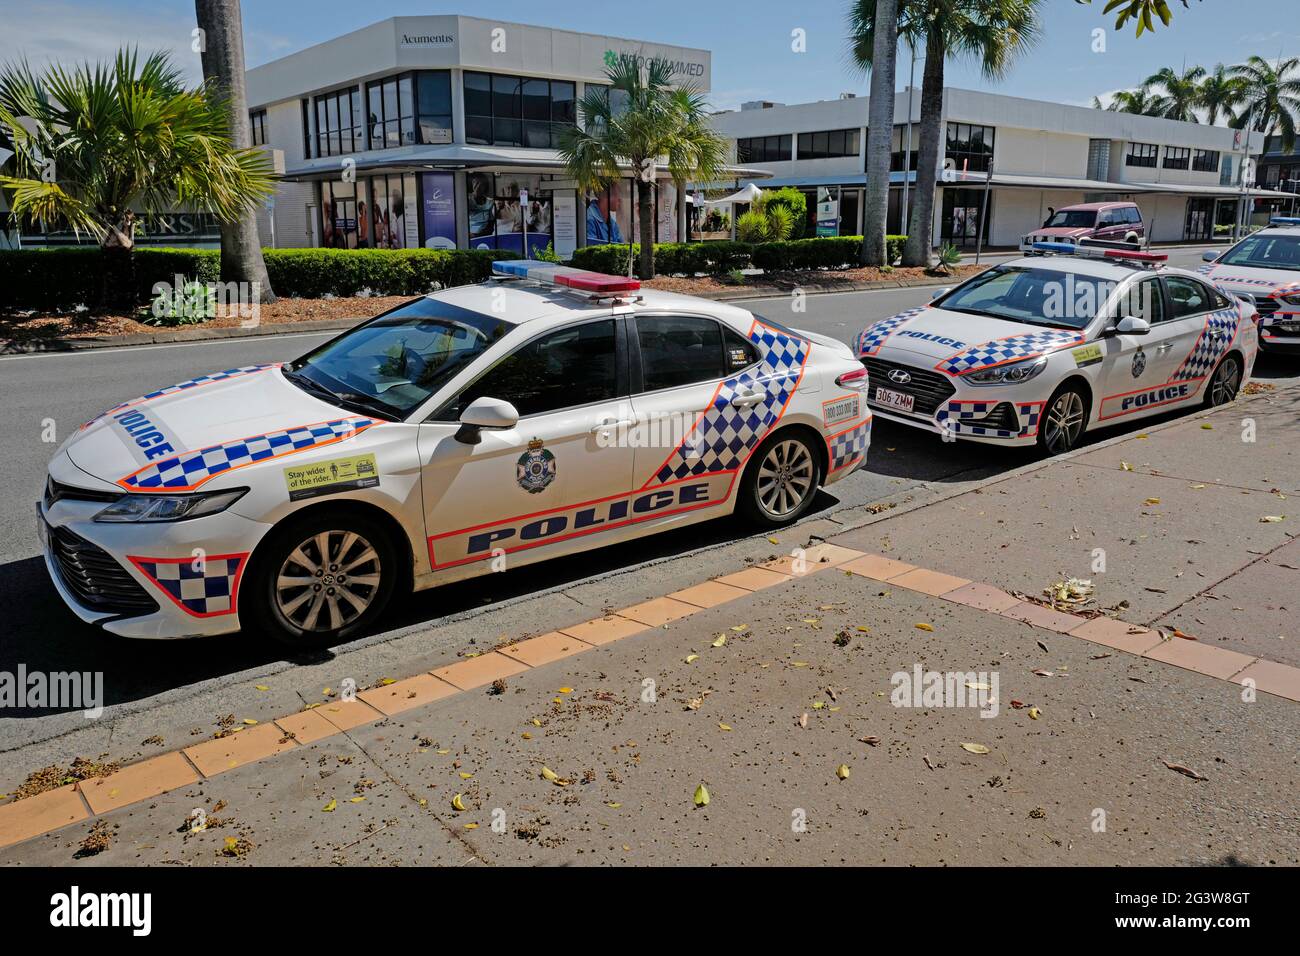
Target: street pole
(984,211)
(907,148)
(1239,224)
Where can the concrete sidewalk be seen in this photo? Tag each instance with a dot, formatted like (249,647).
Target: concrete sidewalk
(769,684)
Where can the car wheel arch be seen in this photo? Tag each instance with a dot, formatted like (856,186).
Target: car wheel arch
(815,438)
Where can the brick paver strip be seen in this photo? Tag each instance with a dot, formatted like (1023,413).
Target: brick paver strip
(139,781)
(24,819)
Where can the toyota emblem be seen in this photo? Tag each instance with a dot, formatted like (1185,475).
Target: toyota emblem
(900,377)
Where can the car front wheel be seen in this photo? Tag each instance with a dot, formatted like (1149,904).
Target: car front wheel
(322,579)
(781,480)
(1064,421)
(1225,382)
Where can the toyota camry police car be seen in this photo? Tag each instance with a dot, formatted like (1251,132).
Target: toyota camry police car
(1040,349)
(1266,265)
(547,411)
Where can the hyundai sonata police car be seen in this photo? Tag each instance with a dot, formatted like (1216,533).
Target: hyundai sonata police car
(1043,348)
(1266,265)
(544,412)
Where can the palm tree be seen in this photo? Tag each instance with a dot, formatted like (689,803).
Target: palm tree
(876,50)
(1140,101)
(995,32)
(640,120)
(223,67)
(1271,94)
(1220,94)
(1181,93)
(104,144)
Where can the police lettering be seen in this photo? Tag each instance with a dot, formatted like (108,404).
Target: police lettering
(549,526)
(936,339)
(145,434)
(1156,396)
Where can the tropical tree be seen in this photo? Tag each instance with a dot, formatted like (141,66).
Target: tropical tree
(873,38)
(98,146)
(1220,94)
(1141,101)
(222,54)
(1179,94)
(1271,95)
(640,120)
(1142,12)
(993,32)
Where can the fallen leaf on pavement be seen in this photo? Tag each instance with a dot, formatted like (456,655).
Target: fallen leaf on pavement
(975,748)
(1185,771)
(701,796)
(842,771)
(925,627)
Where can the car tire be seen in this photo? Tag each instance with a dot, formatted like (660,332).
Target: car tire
(1131,237)
(781,480)
(1064,421)
(1225,382)
(348,568)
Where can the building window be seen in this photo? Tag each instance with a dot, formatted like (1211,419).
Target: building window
(970,147)
(340,126)
(390,112)
(1177,157)
(257,122)
(960,222)
(1206,160)
(896,152)
(390,221)
(306,128)
(828,144)
(517,111)
(764,149)
(1142,154)
(433,106)
(498,216)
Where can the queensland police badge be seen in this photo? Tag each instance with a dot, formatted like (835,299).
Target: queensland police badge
(536,468)
(1139,363)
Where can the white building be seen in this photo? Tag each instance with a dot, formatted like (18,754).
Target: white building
(431,131)
(1183,176)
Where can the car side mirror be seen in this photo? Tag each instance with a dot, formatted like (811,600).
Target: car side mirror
(483,413)
(1209,256)
(939,293)
(1132,325)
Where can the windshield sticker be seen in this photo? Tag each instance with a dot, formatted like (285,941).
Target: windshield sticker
(1088,355)
(535,468)
(331,477)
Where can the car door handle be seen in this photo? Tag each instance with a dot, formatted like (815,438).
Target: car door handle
(748,399)
(1164,346)
(609,424)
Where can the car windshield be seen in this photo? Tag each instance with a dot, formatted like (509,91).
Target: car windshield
(1275,251)
(398,360)
(1073,219)
(1048,297)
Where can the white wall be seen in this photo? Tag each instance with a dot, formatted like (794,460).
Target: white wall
(1040,153)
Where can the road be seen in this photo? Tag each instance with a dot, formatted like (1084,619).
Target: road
(64,390)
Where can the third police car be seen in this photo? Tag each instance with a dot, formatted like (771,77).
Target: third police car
(1266,265)
(1043,348)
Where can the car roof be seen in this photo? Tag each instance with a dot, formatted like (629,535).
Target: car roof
(1276,231)
(525,301)
(1093,206)
(1114,269)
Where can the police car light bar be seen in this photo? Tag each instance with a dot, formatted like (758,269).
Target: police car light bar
(1097,252)
(1284,221)
(579,280)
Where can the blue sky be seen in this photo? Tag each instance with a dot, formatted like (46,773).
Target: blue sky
(750,42)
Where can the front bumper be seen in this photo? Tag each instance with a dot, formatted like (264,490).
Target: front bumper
(1275,341)
(161,580)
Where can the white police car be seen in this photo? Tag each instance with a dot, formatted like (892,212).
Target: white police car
(1266,265)
(544,412)
(1040,349)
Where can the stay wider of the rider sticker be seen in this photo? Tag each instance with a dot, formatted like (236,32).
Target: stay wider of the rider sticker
(329,477)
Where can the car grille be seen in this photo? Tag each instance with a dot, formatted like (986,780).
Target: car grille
(929,389)
(1266,306)
(94,578)
(57,491)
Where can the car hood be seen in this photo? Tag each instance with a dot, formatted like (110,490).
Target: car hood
(1062,231)
(185,435)
(1258,282)
(955,342)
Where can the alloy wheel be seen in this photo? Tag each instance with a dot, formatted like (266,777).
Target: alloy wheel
(785,478)
(328,581)
(1227,379)
(1064,422)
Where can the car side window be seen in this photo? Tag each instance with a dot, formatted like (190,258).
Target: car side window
(680,350)
(740,351)
(1186,297)
(1147,301)
(572,366)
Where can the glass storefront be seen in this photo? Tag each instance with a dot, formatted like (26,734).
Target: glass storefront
(504,208)
(375,212)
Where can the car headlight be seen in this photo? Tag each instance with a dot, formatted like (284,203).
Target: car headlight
(142,508)
(1292,299)
(1012,374)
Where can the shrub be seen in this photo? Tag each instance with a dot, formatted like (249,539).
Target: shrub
(50,279)
(671,258)
(795,202)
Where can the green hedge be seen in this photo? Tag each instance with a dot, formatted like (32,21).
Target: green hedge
(713,258)
(65,278)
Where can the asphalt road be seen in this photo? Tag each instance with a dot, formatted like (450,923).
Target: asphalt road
(67,389)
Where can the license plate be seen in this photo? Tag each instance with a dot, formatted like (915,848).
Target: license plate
(893,399)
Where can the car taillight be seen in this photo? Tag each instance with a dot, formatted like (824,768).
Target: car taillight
(856,380)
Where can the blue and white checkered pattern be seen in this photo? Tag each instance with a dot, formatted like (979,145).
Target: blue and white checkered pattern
(203,591)
(847,447)
(1206,269)
(190,469)
(871,338)
(726,433)
(1016,347)
(957,418)
(181,387)
(1209,346)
